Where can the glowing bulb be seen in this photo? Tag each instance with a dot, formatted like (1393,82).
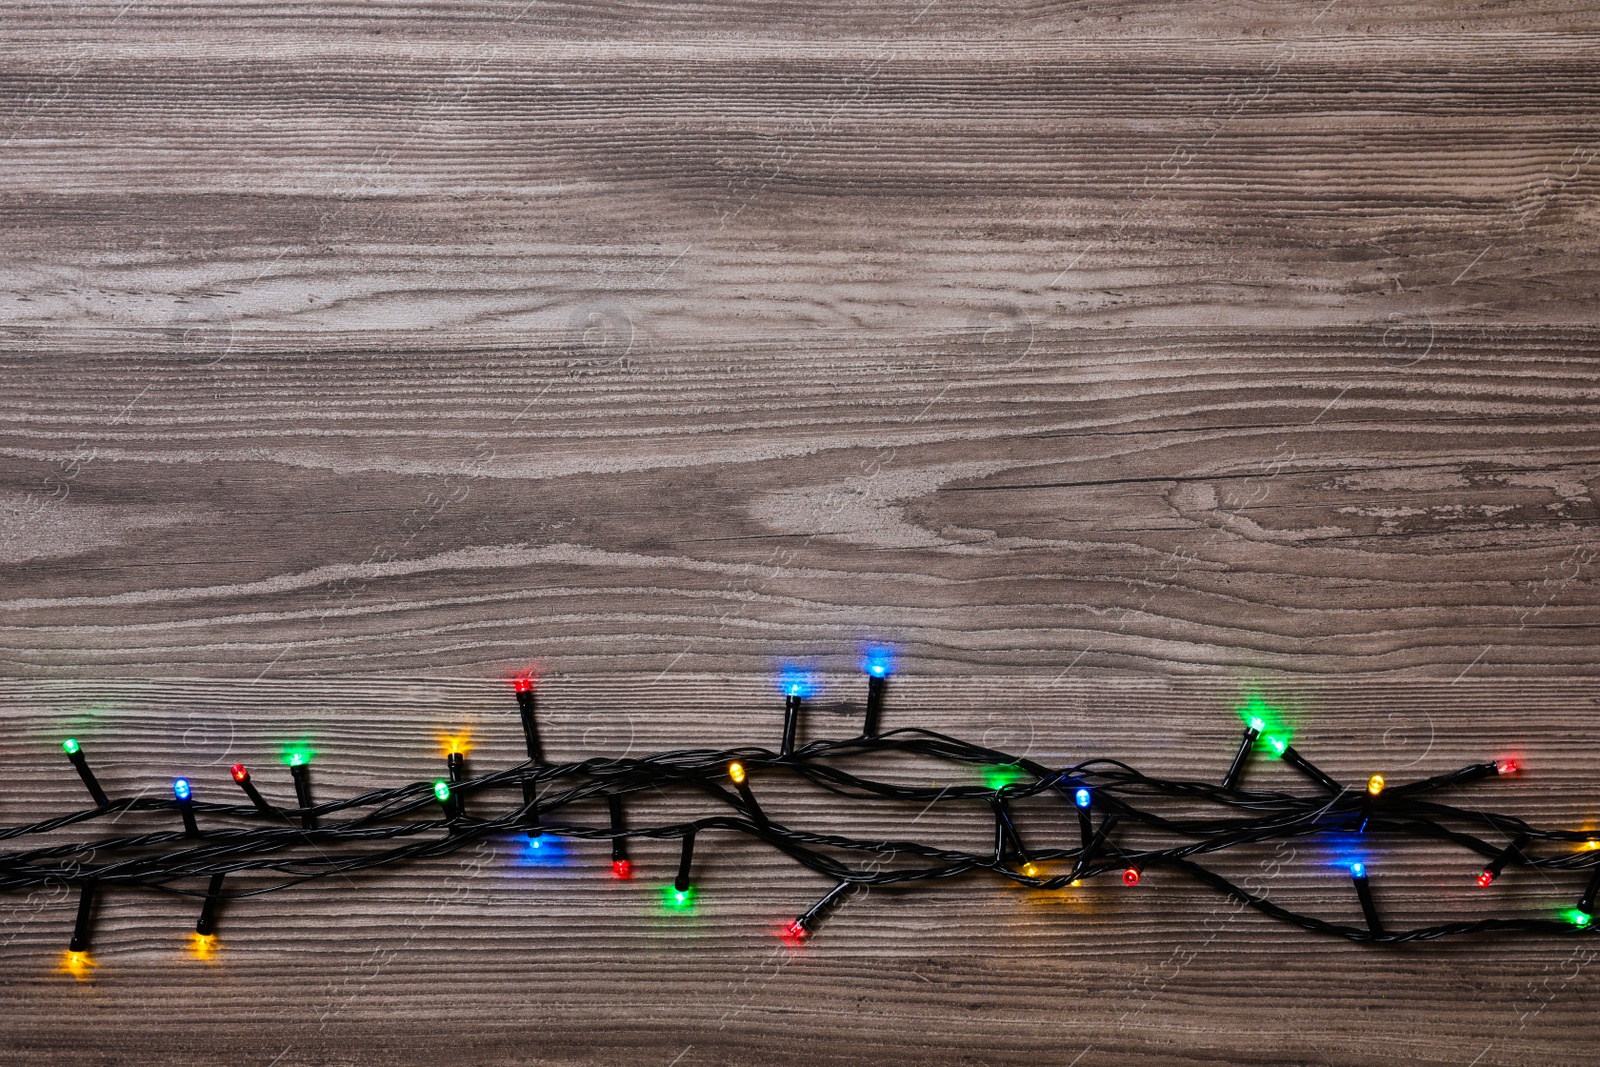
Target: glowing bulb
(77,964)
(1375,784)
(1131,876)
(203,946)
(1358,870)
(1030,870)
(795,932)
(1277,744)
(622,869)
(1577,917)
(1485,877)
(1076,882)
(1590,846)
(1001,775)
(674,899)
(878,660)
(180,788)
(441,791)
(1506,766)
(1257,713)
(736,772)
(524,682)
(1081,798)
(795,681)
(70,746)
(455,744)
(240,774)
(298,754)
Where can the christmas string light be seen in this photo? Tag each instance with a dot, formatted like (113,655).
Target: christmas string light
(621,866)
(878,663)
(243,850)
(74,753)
(796,685)
(1369,909)
(241,774)
(741,782)
(300,770)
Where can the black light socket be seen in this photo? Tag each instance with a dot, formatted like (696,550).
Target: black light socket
(681,883)
(207,925)
(1236,768)
(792,703)
(80,929)
(301,773)
(877,687)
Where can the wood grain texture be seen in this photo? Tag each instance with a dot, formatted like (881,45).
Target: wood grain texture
(1105,357)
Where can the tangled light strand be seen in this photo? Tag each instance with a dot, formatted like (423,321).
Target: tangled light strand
(280,847)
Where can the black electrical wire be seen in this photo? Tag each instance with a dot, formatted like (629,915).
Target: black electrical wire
(245,850)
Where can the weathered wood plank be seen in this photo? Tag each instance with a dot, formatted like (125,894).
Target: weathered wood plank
(1106,357)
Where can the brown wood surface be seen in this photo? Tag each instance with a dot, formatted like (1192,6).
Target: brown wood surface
(1107,358)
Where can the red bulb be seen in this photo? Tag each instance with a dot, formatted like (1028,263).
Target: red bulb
(1485,877)
(795,932)
(523,683)
(1130,876)
(622,869)
(1506,766)
(240,774)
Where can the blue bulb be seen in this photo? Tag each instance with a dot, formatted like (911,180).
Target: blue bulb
(795,681)
(878,660)
(1358,870)
(180,788)
(546,850)
(1082,798)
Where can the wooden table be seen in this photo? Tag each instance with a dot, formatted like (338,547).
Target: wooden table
(1111,360)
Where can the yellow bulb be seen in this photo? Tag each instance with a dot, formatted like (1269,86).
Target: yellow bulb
(736,772)
(77,964)
(1375,784)
(203,946)
(455,744)
(1030,870)
(1076,882)
(1590,846)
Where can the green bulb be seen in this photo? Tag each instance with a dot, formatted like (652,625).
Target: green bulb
(675,899)
(1277,744)
(70,746)
(441,790)
(1001,775)
(298,754)
(1580,919)
(1257,713)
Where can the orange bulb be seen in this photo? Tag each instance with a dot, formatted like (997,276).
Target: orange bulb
(77,964)
(203,946)
(736,772)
